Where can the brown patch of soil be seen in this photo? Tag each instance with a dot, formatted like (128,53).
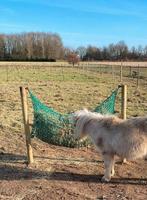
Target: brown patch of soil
(58,172)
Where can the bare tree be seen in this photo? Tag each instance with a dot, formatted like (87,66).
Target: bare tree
(121,50)
(81,52)
(49,47)
(2,47)
(73,58)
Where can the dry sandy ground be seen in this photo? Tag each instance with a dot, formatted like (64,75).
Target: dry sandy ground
(127,63)
(58,172)
(63,63)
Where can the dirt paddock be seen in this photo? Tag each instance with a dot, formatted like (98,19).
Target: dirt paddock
(59,172)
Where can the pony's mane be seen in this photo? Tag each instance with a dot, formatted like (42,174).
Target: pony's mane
(89,114)
(84,116)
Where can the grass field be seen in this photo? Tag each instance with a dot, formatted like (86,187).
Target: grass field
(65,89)
(68,89)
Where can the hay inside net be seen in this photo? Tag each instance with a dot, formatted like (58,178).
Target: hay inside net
(55,128)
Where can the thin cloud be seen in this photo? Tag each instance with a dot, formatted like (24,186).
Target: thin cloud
(6,10)
(127,8)
(8,25)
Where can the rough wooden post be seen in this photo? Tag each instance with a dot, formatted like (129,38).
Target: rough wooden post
(124,108)
(7,73)
(26,124)
(62,72)
(121,72)
(112,71)
(138,76)
(124,102)
(130,71)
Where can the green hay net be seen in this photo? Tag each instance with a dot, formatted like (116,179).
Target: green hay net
(55,128)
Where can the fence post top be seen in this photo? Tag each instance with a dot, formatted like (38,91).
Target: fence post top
(122,85)
(22,87)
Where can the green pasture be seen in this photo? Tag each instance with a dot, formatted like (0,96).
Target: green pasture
(67,89)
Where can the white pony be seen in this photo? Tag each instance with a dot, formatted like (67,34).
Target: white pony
(112,136)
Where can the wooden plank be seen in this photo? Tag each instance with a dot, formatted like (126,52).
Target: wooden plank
(26,124)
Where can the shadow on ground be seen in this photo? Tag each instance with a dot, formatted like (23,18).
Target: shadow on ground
(16,158)
(12,172)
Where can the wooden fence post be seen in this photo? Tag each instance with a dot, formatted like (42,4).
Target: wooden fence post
(124,108)
(112,71)
(7,73)
(130,73)
(124,102)
(121,72)
(26,124)
(138,76)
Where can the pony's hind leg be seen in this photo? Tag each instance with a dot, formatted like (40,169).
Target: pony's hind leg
(112,170)
(109,167)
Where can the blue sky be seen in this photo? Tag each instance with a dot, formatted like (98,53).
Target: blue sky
(78,22)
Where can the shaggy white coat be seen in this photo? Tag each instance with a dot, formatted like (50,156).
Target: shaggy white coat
(113,136)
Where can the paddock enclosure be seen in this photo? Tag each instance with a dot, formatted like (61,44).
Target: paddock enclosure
(61,172)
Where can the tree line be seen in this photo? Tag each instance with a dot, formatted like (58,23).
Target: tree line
(32,46)
(40,46)
(113,52)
